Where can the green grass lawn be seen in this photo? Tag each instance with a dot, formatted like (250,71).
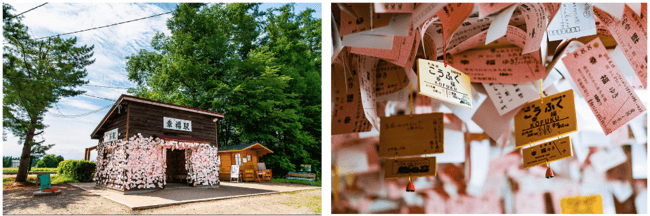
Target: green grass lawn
(55,180)
(34,170)
(317,182)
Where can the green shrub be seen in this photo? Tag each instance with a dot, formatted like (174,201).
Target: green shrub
(79,170)
(62,179)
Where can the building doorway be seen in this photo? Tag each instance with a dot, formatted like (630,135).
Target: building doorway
(176,172)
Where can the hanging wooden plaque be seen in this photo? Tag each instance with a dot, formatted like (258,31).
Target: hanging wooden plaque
(406,135)
(414,167)
(538,122)
(444,83)
(547,152)
(582,205)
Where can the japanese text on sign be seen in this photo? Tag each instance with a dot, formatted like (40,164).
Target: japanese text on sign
(405,135)
(444,83)
(538,121)
(403,168)
(547,152)
(582,205)
(177,124)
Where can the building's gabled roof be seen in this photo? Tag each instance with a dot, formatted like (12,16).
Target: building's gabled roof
(241,147)
(125,97)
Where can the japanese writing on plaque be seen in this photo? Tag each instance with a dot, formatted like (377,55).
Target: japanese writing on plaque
(444,83)
(177,124)
(502,65)
(406,135)
(582,205)
(547,152)
(403,168)
(538,121)
(603,85)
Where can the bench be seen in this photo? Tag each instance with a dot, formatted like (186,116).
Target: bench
(302,176)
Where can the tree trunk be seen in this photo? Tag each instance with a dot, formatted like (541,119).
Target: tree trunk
(31,160)
(25,157)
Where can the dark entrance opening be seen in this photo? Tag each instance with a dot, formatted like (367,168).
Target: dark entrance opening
(176,172)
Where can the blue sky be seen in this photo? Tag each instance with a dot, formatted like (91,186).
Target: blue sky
(72,135)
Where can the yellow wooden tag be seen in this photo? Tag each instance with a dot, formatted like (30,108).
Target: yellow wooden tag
(582,205)
(547,152)
(538,122)
(403,168)
(444,83)
(406,135)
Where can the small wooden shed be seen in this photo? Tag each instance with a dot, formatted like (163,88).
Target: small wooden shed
(244,155)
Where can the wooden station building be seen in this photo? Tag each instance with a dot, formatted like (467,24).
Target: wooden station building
(172,123)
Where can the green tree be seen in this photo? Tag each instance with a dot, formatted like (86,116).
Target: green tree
(50,161)
(261,69)
(37,152)
(36,74)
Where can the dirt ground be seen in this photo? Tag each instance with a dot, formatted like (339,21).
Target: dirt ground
(76,201)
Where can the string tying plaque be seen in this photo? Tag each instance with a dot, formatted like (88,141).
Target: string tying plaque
(541,92)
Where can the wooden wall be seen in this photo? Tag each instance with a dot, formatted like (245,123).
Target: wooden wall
(148,120)
(116,121)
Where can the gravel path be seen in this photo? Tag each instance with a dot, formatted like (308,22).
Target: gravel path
(71,201)
(77,201)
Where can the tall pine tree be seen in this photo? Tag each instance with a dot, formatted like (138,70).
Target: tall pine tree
(36,74)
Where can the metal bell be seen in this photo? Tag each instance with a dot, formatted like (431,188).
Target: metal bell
(549,173)
(410,187)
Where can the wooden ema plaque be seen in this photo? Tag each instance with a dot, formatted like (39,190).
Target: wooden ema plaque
(538,122)
(582,205)
(414,167)
(406,135)
(547,152)
(444,83)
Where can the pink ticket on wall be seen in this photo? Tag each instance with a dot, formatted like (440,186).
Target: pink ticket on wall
(394,7)
(501,65)
(603,85)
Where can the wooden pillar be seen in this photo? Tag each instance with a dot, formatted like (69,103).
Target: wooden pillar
(128,108)
(216,132)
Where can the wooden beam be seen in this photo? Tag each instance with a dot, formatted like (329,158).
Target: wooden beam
(128,108)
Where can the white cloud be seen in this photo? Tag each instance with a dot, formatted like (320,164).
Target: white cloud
(112,44)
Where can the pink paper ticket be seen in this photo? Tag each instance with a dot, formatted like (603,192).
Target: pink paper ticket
(501,65)
(485,9)
(392,54)
(391,78)
(551,10)
(468,29)
(408,49)
(535,16)
(513,35)
(351,25)
(451,16)
(394,7)
(367,68)
(347,115)
(630,33)
(603,85)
